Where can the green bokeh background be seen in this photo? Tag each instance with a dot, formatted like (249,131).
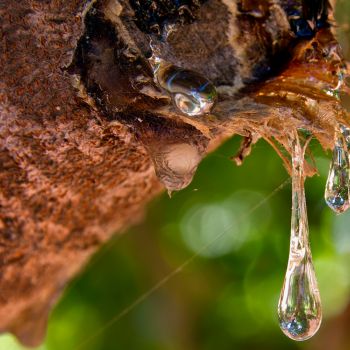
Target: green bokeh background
(226,297)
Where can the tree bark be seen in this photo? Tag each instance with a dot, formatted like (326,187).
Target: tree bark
(68,179)
(75,158)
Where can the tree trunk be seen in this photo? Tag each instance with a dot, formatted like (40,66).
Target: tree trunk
(83,121)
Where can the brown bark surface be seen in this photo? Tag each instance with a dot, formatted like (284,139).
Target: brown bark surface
(73,171)
(68,179)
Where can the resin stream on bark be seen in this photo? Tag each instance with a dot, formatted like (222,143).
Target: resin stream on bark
(299,306)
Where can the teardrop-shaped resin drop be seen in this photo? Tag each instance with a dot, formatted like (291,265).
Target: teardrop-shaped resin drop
(337,186)
(176,164)
(299,307)
(191,93)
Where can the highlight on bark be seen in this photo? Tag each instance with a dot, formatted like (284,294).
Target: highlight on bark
(167,80)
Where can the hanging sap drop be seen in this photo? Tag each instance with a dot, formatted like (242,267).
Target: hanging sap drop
(299,307)
(191,93)
(337,186)
(175,164)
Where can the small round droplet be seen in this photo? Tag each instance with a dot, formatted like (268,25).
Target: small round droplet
(192,93)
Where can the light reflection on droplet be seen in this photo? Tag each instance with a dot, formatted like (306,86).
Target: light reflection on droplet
(192,93)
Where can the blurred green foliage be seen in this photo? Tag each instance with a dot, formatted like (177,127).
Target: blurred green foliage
(226,297)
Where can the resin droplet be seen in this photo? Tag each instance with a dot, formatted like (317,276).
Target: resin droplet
(299,307)
(337,186)
(191,93)
(176,164)
(174,149)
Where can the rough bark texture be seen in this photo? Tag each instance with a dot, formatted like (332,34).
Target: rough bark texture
(75,165)
(68,179)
